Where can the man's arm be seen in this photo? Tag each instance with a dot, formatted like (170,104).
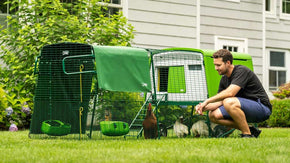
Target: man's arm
(231,91)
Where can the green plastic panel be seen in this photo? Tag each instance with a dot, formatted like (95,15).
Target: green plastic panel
(176,80)
(123,68)
(114,128)
(212,76)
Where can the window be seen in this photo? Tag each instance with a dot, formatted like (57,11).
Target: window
(4,11)
(285,9)
(114,6)
(270,8)
(278,73)
(231,44)
(231,48)
(286,6)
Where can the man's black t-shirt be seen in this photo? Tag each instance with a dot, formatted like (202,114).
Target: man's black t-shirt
(251,87)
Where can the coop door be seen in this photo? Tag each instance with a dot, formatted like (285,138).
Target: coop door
(172,79)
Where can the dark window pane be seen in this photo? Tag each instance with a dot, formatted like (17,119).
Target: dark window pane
(286,6)
(281,77)
(235,49)
(277,59)
(116,1)
(194,67)
(163,79)
(268,5)
(272,78)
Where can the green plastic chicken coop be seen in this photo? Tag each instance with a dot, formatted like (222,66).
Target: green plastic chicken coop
(75,81)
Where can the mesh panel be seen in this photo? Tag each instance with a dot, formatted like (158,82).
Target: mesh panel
(180,75)
(59,96)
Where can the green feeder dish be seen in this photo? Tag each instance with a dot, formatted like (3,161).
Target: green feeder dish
(55,128)
(114,128)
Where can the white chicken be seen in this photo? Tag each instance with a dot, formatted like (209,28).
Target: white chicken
(200,128)
(180,129)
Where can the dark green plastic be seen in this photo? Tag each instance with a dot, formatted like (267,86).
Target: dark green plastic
(55,128)
(114,128)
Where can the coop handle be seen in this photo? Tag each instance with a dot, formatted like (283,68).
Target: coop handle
(78,72)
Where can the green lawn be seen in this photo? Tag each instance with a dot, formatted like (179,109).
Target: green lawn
(272,146)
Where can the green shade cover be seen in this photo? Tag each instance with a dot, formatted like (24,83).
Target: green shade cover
(122,68)
(176,80)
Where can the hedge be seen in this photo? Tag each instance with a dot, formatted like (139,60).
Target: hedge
(280,114)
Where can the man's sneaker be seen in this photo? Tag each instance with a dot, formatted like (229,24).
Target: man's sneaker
(254,131)
(247,136)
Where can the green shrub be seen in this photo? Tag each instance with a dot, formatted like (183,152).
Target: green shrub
(283,91)
(21,112)
(280,113)
(3,106)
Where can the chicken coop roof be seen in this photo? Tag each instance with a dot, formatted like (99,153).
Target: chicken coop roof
(122,68)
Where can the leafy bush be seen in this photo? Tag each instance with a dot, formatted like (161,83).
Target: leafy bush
(19,112)
(280,114)
(37,23)
(3,106)
(283,91)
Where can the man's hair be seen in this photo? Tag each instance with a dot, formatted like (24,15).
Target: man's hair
(224,54)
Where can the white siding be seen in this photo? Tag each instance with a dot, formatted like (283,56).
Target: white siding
(277,33)
(163,23)
(231,19)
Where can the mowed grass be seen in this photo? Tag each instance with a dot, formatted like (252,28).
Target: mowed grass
(272,146)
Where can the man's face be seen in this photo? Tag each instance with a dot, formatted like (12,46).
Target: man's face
(220,66)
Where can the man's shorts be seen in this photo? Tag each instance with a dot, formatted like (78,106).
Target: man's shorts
(255,111)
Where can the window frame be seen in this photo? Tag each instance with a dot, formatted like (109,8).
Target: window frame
(272,12)
(236,1)
(277,68)
(123,6)
(241,43)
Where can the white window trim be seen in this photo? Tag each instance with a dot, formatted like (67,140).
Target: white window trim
(282,15)
(287,66)
(233,40)
(272,12)
(237,1)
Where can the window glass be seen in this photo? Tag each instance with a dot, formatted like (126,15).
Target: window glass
(277,59)
(272,79)
(194,67)
(4,11)
(286,6)
(114,7)
(281,77)
(268,5)
(231,48)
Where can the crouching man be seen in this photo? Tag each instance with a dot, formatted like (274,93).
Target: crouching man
(241,97)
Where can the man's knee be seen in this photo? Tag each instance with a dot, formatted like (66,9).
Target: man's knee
(215,115)
(231,102)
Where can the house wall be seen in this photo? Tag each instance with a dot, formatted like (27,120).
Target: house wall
(163,23)
(171,23)
(277,30)
(237,20)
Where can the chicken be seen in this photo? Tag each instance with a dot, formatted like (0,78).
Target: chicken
(150,124)
(180,129)
(200,128)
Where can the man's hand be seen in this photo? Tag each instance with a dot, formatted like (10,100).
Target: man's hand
(200,108)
